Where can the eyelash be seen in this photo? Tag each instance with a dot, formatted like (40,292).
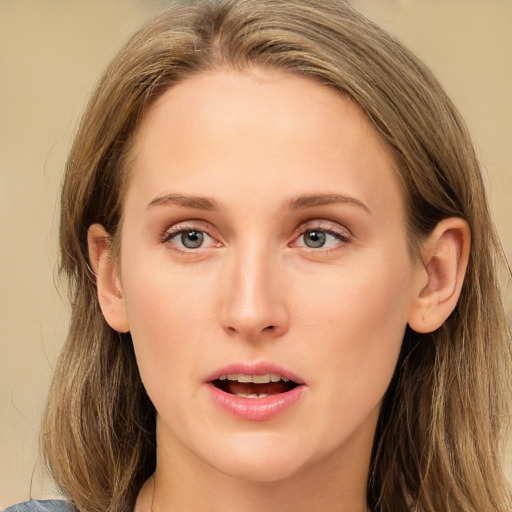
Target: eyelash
(178,230)
(175,231)
(342,238)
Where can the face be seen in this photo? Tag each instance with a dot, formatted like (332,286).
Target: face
(264,272)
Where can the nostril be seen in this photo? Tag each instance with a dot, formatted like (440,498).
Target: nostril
(271,330)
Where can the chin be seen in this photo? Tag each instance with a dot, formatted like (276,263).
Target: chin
(260,458)
(261,472)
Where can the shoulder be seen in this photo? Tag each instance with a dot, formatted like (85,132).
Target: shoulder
(41,506)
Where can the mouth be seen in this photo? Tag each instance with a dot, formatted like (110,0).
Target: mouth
(254,386)
(258,391)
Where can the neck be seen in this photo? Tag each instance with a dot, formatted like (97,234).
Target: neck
(334,484)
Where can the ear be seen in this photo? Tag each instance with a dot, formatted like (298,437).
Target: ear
(108,285)
(445,255)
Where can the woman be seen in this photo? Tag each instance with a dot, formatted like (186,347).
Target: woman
(283,275)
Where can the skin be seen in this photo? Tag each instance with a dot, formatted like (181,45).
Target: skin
(335,315)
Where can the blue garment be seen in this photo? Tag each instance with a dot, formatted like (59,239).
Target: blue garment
(41,506)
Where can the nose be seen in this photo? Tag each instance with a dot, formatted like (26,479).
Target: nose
(254,304)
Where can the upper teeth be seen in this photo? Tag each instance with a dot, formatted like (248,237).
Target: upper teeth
(257,379)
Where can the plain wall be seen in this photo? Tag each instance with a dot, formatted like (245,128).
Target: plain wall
(52,52)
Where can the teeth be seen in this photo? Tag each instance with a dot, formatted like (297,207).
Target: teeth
(261,379)
(252,395)
(256,379)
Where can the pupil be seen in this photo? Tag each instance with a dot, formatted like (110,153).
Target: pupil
(192,239)
(315,239)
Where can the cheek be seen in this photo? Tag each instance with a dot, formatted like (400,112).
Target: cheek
(169,317)
(359,320)
(358,300)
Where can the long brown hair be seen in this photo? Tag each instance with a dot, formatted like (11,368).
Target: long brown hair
(437,445)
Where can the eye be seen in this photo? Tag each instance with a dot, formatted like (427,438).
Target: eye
(321,238)
(315,238)
(189,239)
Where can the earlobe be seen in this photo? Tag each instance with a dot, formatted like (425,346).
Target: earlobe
(110,294)
(445,255)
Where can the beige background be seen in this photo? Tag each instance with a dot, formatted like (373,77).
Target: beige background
(51,53)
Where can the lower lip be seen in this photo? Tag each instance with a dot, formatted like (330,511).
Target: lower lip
(256,409)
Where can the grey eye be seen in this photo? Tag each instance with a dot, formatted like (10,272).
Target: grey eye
(315,238)
(192,239)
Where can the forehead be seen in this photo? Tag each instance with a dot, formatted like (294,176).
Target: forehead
(230,133)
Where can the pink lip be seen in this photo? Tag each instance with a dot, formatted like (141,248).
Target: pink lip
(255,409)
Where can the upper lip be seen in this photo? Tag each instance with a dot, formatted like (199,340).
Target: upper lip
(254,368)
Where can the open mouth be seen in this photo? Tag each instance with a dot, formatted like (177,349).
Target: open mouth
(254,386)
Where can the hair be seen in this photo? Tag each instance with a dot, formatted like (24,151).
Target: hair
(437,445)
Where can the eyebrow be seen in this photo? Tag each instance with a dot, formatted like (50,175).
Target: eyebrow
(299,203)
(196,202)
(313,200)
